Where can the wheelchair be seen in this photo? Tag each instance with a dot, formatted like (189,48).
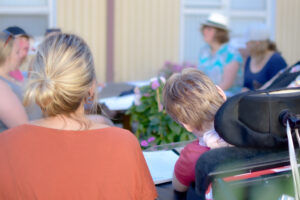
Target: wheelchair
(258,166)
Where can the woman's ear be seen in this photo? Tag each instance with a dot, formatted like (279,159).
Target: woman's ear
(221,92)
(91,91)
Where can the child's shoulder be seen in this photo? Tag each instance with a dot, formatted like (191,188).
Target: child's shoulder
(194,148)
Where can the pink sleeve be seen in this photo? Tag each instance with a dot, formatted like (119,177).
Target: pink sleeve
(185,165)
(17,74)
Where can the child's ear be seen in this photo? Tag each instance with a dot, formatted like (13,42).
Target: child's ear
(221,92)
(188,127)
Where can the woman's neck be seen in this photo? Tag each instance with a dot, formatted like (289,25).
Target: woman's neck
(259,58)
(4,71)
(215,47)
(258,61)
(74,121)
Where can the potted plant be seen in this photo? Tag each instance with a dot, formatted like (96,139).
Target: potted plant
(151,124)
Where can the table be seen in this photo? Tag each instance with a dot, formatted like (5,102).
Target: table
(165,191)
(117,98)
(114,100)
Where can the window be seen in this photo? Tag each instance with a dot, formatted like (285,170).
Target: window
(34,16)
(241,14)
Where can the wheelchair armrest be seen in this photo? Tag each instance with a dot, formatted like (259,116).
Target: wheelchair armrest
(258,163)
(228,161)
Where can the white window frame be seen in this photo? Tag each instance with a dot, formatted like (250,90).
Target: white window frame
(49,10)
(203,9)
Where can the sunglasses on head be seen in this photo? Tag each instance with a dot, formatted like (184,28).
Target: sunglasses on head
(6,37)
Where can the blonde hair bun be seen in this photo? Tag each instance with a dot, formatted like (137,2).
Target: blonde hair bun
(63,72)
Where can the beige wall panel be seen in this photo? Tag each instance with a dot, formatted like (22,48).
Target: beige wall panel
(288,29)
(146,35)
(86,18)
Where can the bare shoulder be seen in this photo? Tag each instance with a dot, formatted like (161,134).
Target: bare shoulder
(8,95)
(4,86)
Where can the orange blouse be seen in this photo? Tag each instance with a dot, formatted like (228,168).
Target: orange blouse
(45,163)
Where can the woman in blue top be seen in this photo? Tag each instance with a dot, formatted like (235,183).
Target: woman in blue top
(264,61)
(220,62)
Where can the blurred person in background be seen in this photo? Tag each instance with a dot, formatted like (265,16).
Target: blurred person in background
(264,61)
(21,44)
(51,31)
(12,112)
(218,60)
(68,155)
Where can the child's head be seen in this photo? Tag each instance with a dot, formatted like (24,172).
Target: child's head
(192,99)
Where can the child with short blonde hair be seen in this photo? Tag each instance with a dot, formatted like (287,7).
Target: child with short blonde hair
(192,100)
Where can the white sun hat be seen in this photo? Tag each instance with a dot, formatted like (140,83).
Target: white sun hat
(257,32)
(217,20)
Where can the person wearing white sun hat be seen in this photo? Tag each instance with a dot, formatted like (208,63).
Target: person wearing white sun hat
(217,20)
(264,61)
(218,60)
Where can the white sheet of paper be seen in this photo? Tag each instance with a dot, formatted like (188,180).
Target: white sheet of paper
(119,103)
(161,165)
(123,102)
(139,83)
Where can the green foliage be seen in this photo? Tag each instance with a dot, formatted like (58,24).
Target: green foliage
(151,119)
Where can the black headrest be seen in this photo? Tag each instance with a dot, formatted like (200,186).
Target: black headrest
(285,78)
(251,119)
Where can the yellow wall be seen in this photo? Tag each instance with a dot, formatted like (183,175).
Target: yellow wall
(86,18)
(288,29)
(146,35)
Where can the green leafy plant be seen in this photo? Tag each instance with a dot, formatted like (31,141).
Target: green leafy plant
(153,126)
